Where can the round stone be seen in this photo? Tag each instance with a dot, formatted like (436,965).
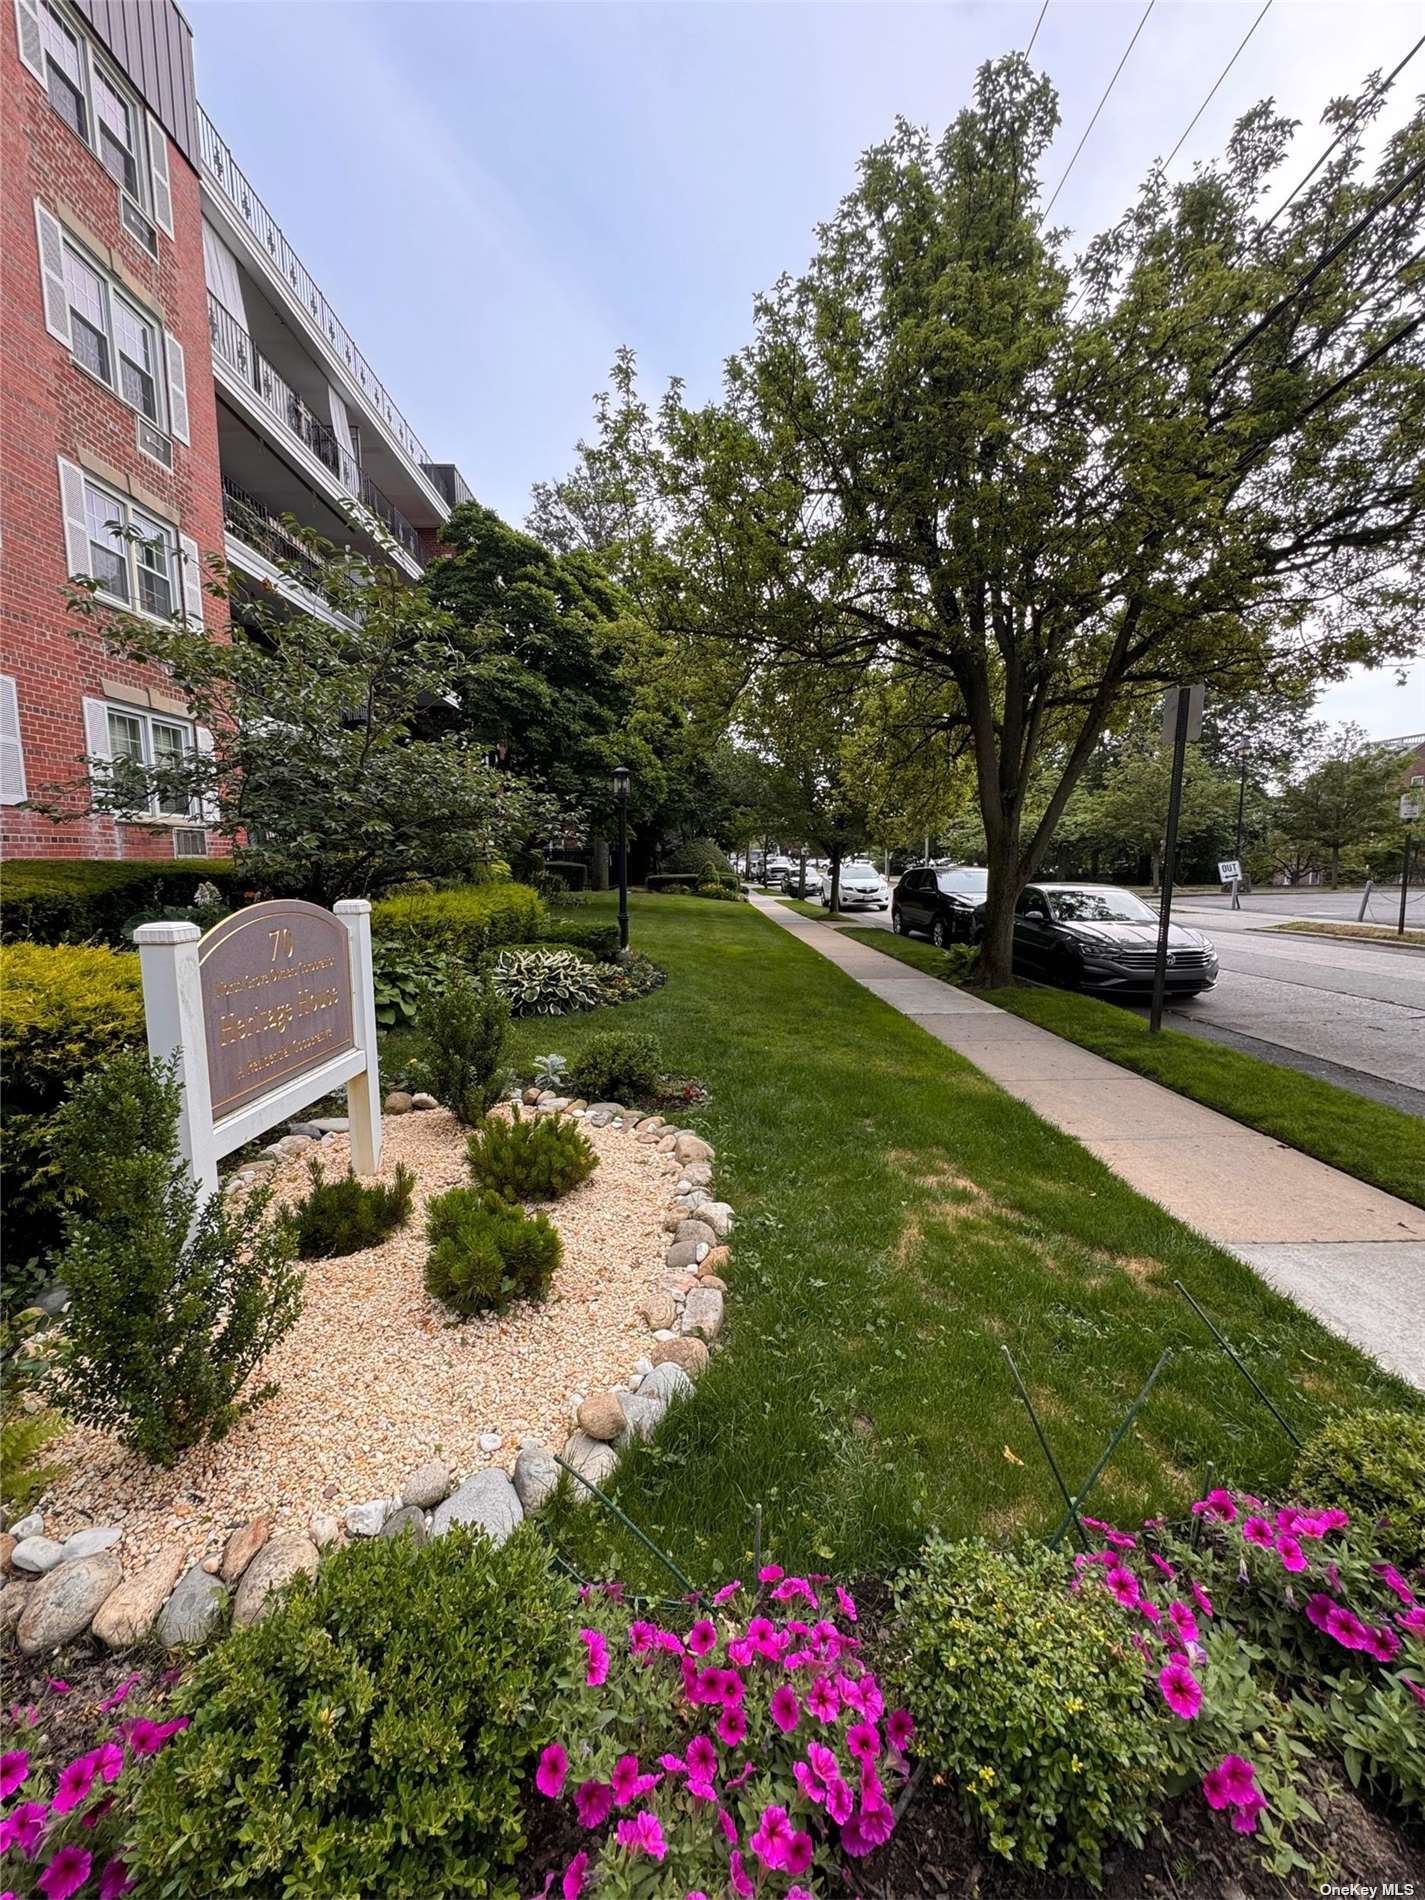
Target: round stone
(192,1610)
(668,1382)
(682,1256)
(702,1314)
(693,1148)
(242,1547)
(34,1556)
(487,1500)
(427,1485)
(491,1441)
(323,1529)
(694,1229)
(280,1560)
(398,1103)
(126,1617)
(409,1521)
(657,1311)
(63,1605)
(535,1475)
(365,1520)
(690,1354)
(601,1416)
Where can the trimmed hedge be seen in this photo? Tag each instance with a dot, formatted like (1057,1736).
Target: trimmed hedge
(573,875)
(601,940)
(64,900)
(657,881)
(467,921)
(698,857)
(66,1008)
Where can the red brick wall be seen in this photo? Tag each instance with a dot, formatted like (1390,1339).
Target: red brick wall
(48,408)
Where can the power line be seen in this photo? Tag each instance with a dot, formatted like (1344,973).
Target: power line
(1100,106)
(1037,24)
(1331,390)
(1216,83)
(1349,127)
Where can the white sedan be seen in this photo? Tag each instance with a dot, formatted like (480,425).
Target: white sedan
(861,886)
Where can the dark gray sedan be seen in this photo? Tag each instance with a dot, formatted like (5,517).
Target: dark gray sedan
(1100,937)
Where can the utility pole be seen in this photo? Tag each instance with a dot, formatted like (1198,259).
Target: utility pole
(1182,714)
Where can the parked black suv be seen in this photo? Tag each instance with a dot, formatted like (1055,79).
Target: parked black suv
(943,901)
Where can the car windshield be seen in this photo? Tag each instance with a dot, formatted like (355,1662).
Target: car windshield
(863,873)
(967,878)
(1100,907)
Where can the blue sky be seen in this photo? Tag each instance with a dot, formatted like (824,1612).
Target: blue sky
(495,196)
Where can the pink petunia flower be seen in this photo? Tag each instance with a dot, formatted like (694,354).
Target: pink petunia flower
(553,1767)
(798,1856)
(823,1762)
(1183,1621)
(1345,1627)
(798,1893)
(786,1711)
(93,1816)
(1292,1555)
(1415,1689)
(572,1885)
(731,1727)
(737,1874)
(1202,1599)
(1123,1585)
(57,1686)
(1164,1566)
(75,1781)
(728,1826)
(25,1826)
(770,1573)
(1413,1619)
(772,1838)
(1256,1530)
(792,1587)
(144,1738)
(1319,1609)
(1245,1819)
(641,1637)
(728,1591)
(900,1727)
(863,1740)
(1393,1581)
(839,1801)
(113,1701)
(822,1700)
(702,1758)
(764,1639)
(108,1759)
(66,1873)
(1214,1789)
(593,1803)
(1240,1778)
(115,1881)
(847,1603)
(1382,1643)
(597,1645)
(807,1782)
(1218,1504)
(642,1833)
(628,1783)
(1120,1540)
(1181,1689)
(702,1636)
(14,1769)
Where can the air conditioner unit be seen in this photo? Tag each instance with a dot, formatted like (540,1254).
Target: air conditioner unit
(154,442)
(136,222)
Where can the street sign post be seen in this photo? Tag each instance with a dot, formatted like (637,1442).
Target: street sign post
(1409,811)
(1182,720)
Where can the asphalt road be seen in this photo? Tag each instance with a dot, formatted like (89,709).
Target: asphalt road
(1353,1013)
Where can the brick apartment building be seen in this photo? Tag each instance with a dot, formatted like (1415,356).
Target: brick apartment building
(167,364)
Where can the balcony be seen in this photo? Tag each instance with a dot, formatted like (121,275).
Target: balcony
(220,166)
(258,528)
(233,346)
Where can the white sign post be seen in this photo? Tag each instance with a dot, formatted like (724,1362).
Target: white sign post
(282,990)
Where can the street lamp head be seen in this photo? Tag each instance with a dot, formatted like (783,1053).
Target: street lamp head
(621,778)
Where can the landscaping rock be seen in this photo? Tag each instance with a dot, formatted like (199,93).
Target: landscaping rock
(695,1228)
(398,1103)
(651,1125)
(126,1617)
(690,1354)
(530,1097)
(32,1524)
(365,1520)
(213,1565)
(718,1216)
(642,1366)
(658,1311)
(272,1569)
(712,1280)
(667,1143)
(427,1485)
(89,1543)
(599,1118)
(193,1609)
(242,1547)
(326,1125)
(7,1546)
(323,1529)
(13,1599)
(592,1458)
(63,1606)
(642,1411)
(682,1255)
(703,1312)
(488,1501)
(717,1261)
(423,1101)
(491,1441)
(601,1416)
(693,1148)
(668,1381)
(698,1174)
(535,1477)
(36,1554)
(409,1521)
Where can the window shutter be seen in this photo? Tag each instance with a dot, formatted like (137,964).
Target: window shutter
(12,751)
(51,243)
(96,742)
(207,806)
(32,46)
(158,167)
(177,387)
(192,579)
(76,522)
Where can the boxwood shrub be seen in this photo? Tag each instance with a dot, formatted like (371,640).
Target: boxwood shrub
(1371,1464)
(61,900)
(66,1007)
(374,1734)
(467,921)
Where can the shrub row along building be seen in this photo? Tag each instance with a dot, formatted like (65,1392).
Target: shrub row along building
(172,384)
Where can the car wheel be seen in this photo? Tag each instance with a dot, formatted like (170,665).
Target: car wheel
(897,923)
(938,934)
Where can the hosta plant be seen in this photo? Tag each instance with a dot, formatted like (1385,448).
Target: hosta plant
(750,1752)
(546,982)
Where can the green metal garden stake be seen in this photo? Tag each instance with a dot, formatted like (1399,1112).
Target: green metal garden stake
(1109,1450)
(1206,1487)
(757,1537)
(628,1524)
(1044,1447)
(1238,1363)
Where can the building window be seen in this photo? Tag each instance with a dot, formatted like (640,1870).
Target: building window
(111,337)
(64,72)
(117,133)
(133,557)
(92,101)
(146,743)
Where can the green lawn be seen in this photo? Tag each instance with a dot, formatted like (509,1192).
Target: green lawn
(1344,932)
(915,951)
(1371,1140)
(899,1219)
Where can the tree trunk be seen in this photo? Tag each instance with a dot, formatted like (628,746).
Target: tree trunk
(835,879)
(1155,872)
(1335,864)
(598,864)
(802,876)
(995,969)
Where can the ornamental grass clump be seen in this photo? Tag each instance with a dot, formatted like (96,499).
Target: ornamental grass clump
(345,1216)
(486,1252)
(175,1301)
(1030,1695)
(747,1753)
(373,1735)
(537,1160)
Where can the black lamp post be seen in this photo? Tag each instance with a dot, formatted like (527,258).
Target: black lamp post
(621,776)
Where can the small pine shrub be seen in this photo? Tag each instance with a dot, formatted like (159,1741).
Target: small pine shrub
(1371,1464)
(1030,1697)
(486,1252)
(462,1028)
(535,1160)
(620,1065)
(374,1734)
(173,1304)
(345,1216)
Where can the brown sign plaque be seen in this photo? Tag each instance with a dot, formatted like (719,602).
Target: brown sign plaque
(276,988)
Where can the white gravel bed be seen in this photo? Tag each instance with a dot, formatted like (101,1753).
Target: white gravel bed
(374,1379)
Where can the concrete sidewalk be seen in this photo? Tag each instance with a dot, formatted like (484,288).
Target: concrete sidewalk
(1347,1252)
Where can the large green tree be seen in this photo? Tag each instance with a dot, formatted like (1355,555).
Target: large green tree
(1199,454)
(1344,796)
